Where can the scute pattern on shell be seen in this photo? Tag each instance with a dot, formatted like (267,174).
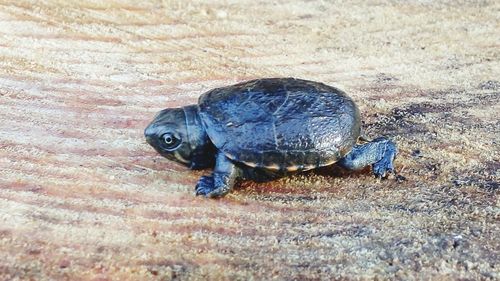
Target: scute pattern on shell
(281,123)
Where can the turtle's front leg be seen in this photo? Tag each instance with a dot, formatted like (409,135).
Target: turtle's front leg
(222,179)
(379,153)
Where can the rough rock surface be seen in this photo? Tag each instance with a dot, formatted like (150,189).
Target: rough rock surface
(82,196)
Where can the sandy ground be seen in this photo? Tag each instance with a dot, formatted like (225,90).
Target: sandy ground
(83,197)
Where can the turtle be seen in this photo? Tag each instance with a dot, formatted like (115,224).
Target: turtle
(265,129)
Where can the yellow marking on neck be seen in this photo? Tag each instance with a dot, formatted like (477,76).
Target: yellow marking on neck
(180,158)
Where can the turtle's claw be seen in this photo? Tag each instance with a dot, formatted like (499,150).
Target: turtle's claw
(205,185)
(381,170)
(384,166)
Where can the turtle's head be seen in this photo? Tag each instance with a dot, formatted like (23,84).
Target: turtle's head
(178,134)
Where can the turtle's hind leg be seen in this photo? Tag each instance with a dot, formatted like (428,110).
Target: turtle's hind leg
(379,153)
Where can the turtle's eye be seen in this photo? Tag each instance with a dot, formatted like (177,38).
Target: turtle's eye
(170,141)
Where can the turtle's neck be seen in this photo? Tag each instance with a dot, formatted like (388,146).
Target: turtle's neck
(203,151)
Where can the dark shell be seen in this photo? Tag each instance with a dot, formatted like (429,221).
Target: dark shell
(281,123)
